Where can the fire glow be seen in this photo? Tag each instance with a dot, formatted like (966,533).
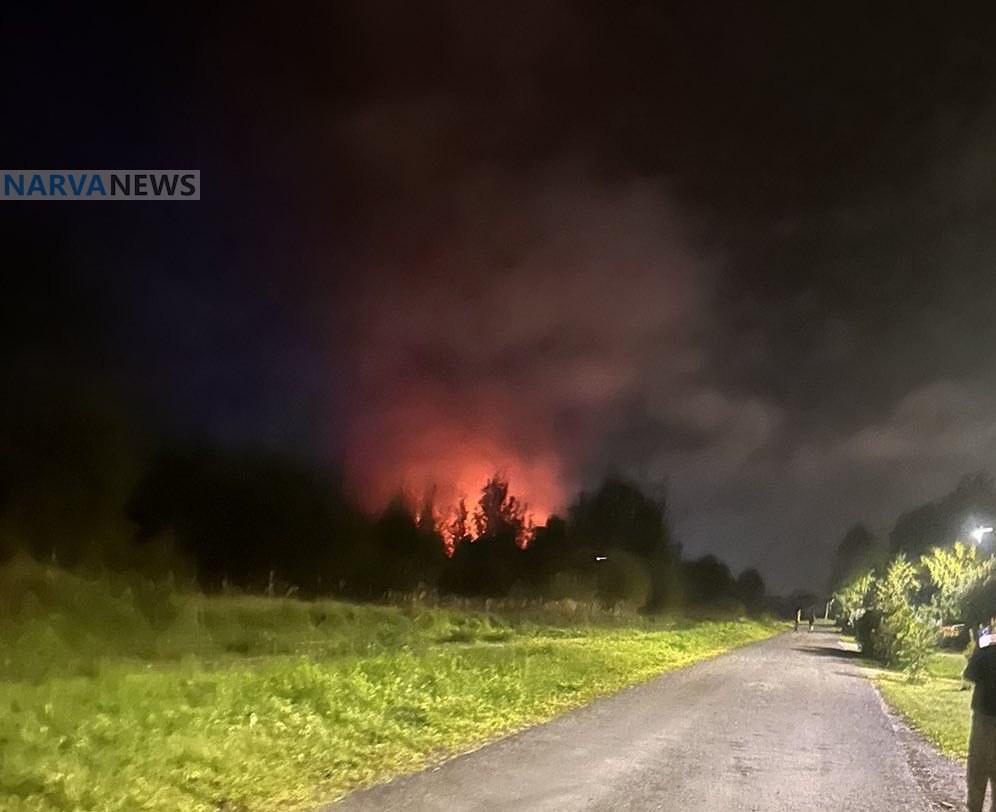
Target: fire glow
(450,462)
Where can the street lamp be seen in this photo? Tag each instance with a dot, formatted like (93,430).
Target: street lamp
(979,532)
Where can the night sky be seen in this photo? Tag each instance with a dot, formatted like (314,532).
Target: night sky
(744,254)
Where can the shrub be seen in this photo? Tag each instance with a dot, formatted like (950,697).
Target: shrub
(864,630)
(978,605)
(572,585)
(903,637)
(954,571)
(623,578)
(853,597)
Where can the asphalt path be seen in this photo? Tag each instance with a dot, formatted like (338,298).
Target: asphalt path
(786,724)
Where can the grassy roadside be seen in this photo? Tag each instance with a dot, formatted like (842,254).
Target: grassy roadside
(937,707)
(114,699)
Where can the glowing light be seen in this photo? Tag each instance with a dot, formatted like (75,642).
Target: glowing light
(420,444)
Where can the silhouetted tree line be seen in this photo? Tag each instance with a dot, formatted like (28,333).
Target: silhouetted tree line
(936,524)
(80,490)
(930,580)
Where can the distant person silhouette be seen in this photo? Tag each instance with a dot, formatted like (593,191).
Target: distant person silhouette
(798,618)
(981,670)
(812,617)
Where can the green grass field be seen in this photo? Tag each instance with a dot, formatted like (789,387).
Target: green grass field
(121,696)
(937,707)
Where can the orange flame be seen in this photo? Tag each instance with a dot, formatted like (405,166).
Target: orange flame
(418,450)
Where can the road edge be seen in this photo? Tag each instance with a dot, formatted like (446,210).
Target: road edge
(444,758)
(940,779)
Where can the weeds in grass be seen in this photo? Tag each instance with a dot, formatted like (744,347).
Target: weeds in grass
(935,703)
(116,696)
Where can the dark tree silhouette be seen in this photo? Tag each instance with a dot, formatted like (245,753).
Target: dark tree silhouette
(620,516)
(550,551)
(499,514)
(245,517)
(707,580)
(67,471)
(858,551)
(250,518)
(407,550)
(750,591)
(457,530)
(490,562)
(942,522)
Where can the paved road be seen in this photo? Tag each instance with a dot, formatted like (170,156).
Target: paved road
(787,724)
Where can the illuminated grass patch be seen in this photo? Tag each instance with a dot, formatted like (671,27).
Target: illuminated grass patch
(281,704)
(937,707)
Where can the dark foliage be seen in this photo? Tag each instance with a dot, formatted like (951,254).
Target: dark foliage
(620,516)
(939,523)
(490,562)
(65,477)
(857,552)
(242,515)
(81,490)
(707,580)
(750,590)
(864,630)
(552,550)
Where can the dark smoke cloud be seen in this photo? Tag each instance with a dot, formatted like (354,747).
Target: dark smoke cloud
(515,342)
(746,253)
(748,310)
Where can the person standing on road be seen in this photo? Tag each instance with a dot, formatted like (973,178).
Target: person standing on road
(981,670)
(798,618)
